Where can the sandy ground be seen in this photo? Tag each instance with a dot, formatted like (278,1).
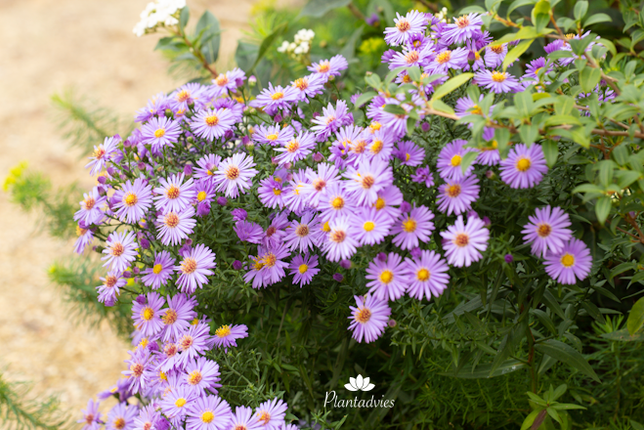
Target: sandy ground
(45,47)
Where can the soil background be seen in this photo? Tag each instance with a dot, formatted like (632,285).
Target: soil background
(46,47)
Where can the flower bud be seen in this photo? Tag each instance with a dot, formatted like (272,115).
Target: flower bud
(239,214)
(416,252)
(338,277)
(127,274)
(252,81)
(222,201)
(140,299)
(405,207)
(508,258)
(187,170)
(392,323)
(382,256)
(237,265)
(101,179)
(345,264)
(318,157)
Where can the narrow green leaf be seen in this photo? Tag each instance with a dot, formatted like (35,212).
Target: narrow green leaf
(596,19)
(602,209)
(516,52)
(550,151)
(567,355)
(211,38)
(636,317)
(394,109)
(364,98)
(451,85)
(581,7)
(319,8)
(266,44)
(184,17)
(468,159)
(589,78)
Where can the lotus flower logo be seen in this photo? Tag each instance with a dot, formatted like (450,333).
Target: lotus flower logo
(359,383)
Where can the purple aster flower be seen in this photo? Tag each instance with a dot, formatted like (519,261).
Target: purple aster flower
(155,106)
(102,153)
(120,250)
(367,180)
(270,193)
(499,82)
(327,174)
(273,266)
(345,264)
(208,164)
(90,211)
(159,132)
(423,175)
(410,57)
(173,195)
(110,289)
(463,243)
(464,28)
(426,275)
(450,158)
(194,342)
(91,416)
(273,135)
(371,225)
(209,413)
(300,234)
(174,227)
(388,278)
(244,420)
(205,191)
(211,124)
(150,419)
(147,316)
(176,402)
(381,145)
(327,68)
(489,155)
(134,199)
(121,417)
(457,195)
(495,54)
(413,227)
(331,120)
(228,81)
(138,370)
(369,318)
(235,174)
(272,99)
(226,336)
(85,238)
(334,201)
(388,198)
(177,316)
(409,153)
(201,374)
(340,241)
(524,167)
(249,231)
(572,263)
(191,93)
(239,214)
(295,149)
(270,414)
(448,59)
(310,86)
(406,26)
(547,230)
(195,268)
(303,268)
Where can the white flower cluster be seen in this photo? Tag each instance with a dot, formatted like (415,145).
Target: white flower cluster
(158,12)
(300,46)
(442,15)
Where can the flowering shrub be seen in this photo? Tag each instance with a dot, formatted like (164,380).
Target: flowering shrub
(275,241)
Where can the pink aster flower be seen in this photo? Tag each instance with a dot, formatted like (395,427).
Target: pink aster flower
(91,416)
(464,28)
(90,211)
(226,336)
(327,68)
(340,243)
(423,175)
(121,417)
(84,239)
(572,263)
(369,318)
(147,316)
(177,316)
(201,374)
(447,59)
(409,153)
(244,420)
(249,231)
(273,135)
(120,250)
(211,124)
(426,275)
(295,149)
(367,180)
(195,268)
(158,275)
(457,195)
(303,268)
(133,200)
(175,227)
(235,174)
(371,225)
(110,289)
(547,230)
(463,243)
(193,343)
(388,199)
(173,195)
(449,160)
(335,201)
(274,98)
(270,414)
(412,228)
(209,413)
(102,154)
(406,26)
(176,402)
(138,370)
(317,181)
(331,120)
(499,82)
(524,167)
(159,132)
(388,278)
(208,165)
(310,86)
(300,234)
(495,54)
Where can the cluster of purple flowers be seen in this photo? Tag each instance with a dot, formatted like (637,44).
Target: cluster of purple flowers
(333,187)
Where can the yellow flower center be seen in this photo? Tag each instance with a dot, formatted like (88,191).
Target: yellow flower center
(188,266)
(456,160)
(454,190)
(301,84)
(337,203)
(368,181)
(302,230)
(499,77)
(119,423)
(180,402)
(409,225)
(325,227)
(272,136)
(264,417)
(277,191)
(523,164)
(422,275)
(130,199)
(212,120)
(497,49)
(232,173)
(377,146)
(278,95)
(444,57)
(159,133)
(183,96)
(173,192)
(463,21)
(411,57)
(338,236)
(201,196)
(172,220)
(207,417)
(403,25)
(194,377)
(303,268)
(292,146)
(148,313)
(221,80)
(461,240)
(567,260)
(369,225)
(544,230)
(386,276)
(476,110)
(363,315)
(324,67)
(380,203)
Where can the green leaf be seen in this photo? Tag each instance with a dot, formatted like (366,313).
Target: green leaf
(266,44)
(581,7)
(567,355)
(541,15)
(483,371)
(529,133)
(184,17)
(414,73)
(624,336)
(348,51)
(211,38)
(597,18)
(451,85)
(602,209)
(364,98)
(468,159)
(442,107)
(394,109)
(606,172)
(550,151)
(516,52)
(529,420)
(636,317)
(319,8)
(518,3)
(589,78)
